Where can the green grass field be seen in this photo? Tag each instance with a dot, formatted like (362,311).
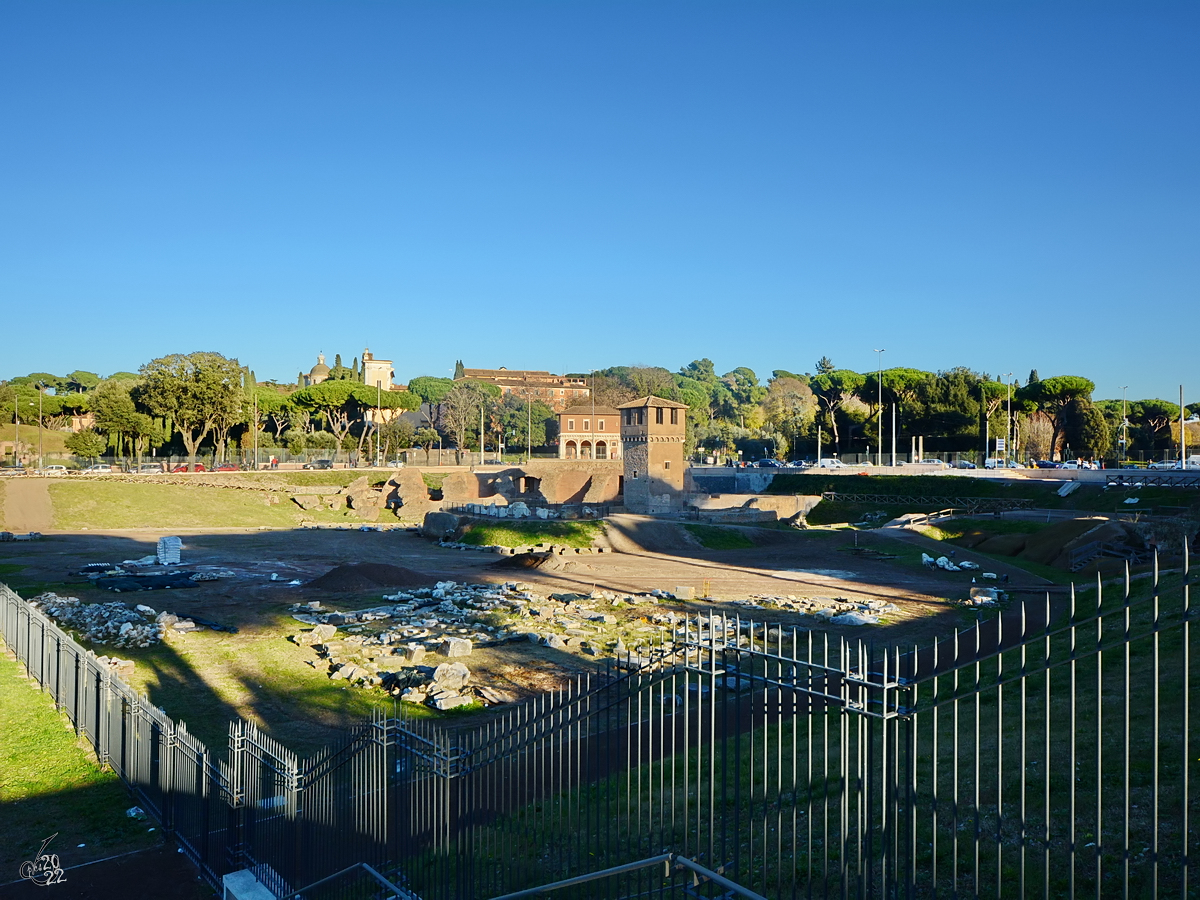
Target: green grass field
(1090,497)
(523,534)
(99,505)
(49,782)
(952,529)
(208,678)
(713,537)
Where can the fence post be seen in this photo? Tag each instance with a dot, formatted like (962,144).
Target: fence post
(235,850)
(166,768)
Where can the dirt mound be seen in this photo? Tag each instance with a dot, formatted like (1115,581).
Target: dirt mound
(368,576)
(973,539)
(1003,544)
(634,534)
(546,561)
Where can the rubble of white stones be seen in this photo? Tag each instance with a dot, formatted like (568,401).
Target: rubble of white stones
(412,645)
(392,646)
(115,624)
(835,610)
(541,549)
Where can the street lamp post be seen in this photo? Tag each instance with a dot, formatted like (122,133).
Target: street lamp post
(1008,422)
(1124,427)
(1183,431)
(42,457)
(879,446)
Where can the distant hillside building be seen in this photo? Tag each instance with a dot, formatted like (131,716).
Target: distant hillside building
(556,391)
(377,372)
(316,375)
(589,432)
(653,431)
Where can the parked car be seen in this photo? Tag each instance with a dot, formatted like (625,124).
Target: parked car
(12,470)
(993,463)
(319,464)
(184,467)
(1047,464)
(965,464)
(932,462)
(829,463)
(54,470)
(225,467)
(1163,464)
(149,469)
(769,464)
(99,469)
(396,463)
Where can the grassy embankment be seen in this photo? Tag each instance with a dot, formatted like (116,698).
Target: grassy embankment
(98,504)
(50,782)
(525,534)
(1043,495)
(52,442)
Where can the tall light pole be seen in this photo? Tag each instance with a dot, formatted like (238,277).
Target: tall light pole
(41,456)
(1008,421)
(528,429)
(1124,427)
(1183,430)
(254,425)
(879,447)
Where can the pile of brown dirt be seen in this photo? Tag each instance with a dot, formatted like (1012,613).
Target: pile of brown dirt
(541,561)
(368,576)
(1003,544)
(973,539)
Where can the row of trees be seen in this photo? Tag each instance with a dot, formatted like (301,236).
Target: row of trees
(954,410)
(184,402)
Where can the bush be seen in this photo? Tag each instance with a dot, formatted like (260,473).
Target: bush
(88,443)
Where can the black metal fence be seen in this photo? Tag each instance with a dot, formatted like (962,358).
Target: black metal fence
(1044,752)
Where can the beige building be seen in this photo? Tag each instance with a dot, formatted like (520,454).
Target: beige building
(589,432)
(377,372)
(653,432)
(556,391)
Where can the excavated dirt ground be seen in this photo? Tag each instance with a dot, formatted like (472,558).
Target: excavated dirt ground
(648,554)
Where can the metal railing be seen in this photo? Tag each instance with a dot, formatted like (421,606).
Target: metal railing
(1047,751)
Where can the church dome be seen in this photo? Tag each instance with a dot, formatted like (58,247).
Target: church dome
(320,370)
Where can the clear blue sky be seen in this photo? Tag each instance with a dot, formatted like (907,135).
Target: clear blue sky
(569,185)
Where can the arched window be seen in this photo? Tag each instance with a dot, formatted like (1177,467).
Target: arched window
(571,450)
(585,450)
(601,450)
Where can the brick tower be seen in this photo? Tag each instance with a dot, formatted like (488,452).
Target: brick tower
(652,436)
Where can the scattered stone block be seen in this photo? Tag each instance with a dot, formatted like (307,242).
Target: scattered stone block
(451,677)
(451,702)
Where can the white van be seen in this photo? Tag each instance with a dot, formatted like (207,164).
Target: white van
(829,463)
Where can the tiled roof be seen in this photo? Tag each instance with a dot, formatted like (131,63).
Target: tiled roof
(652,401)
(589,410)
